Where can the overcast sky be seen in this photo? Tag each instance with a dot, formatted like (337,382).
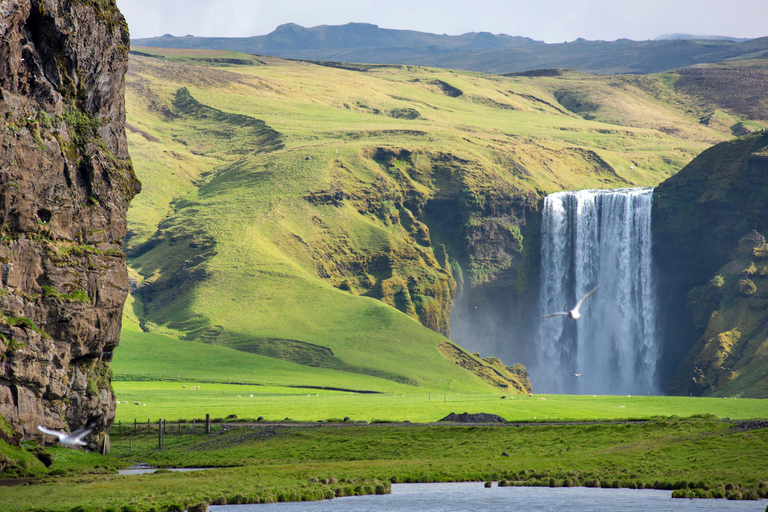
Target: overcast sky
(552,21)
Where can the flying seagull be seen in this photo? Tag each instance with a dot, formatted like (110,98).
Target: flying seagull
(73,439)
(574,313)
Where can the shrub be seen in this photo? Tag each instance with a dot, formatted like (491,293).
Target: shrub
(750,494)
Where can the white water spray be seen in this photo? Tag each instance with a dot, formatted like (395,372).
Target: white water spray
(590,237)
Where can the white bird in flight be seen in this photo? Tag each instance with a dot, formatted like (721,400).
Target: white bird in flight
(73,439)
(574,313)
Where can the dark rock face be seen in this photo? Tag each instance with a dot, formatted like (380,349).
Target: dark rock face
(65,184)
(699,215)
(480,417)
(730,356)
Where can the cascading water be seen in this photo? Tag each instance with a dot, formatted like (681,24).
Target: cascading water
(590,237)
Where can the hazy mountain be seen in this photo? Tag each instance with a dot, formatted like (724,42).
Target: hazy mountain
(607,57)
(353,42)
(483,51)
(701,38)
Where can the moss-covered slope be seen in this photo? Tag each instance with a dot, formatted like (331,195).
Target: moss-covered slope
(699,217)
(331,216)
(731,356)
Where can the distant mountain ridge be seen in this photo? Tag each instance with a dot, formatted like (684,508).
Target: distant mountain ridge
(294,41)
(701,38)
(475,51)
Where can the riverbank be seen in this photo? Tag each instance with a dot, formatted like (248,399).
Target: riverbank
(270,463)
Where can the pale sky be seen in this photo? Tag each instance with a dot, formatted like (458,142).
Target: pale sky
(552,21)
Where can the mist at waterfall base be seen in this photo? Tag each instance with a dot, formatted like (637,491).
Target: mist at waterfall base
(591,237)
(587,237)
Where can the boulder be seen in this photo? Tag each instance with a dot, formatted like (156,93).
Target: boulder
(474,418)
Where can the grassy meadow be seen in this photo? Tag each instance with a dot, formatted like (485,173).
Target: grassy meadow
(263,463)
(160,372)
(169,401)
(236,243)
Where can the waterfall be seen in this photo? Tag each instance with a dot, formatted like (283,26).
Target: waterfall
(590,237)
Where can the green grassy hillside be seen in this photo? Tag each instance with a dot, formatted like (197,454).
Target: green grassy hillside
(328,215)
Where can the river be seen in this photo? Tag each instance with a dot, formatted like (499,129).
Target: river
(474,497)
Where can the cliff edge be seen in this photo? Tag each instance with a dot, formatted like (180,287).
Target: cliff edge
(65,184)
(709,220)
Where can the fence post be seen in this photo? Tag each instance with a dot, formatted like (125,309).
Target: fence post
(135,426)
(149,430)
(159,434)
(193,425)
(207,423)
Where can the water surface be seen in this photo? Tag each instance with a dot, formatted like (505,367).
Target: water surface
(474,497)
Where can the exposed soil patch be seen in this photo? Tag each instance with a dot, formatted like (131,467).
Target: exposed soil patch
(443,87)
(739,90)
(745,425)
(144,134)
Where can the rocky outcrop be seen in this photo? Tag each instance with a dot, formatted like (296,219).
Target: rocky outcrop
(65,184)
(480,417)
(699,216)
(511,379)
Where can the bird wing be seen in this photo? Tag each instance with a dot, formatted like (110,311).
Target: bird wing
(559,313)
(581,300)
(80,433)
(60,435)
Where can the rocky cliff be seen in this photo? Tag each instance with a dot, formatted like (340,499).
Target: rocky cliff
(730,356)
(699,217)
(65,184)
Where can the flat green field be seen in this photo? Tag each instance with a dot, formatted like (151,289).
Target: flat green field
(168,400)
(153,369)
(265,464)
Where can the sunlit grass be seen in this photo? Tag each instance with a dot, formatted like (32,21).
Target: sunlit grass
(243,248)
(168,400)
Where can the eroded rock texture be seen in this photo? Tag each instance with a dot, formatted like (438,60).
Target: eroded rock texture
(65,184)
